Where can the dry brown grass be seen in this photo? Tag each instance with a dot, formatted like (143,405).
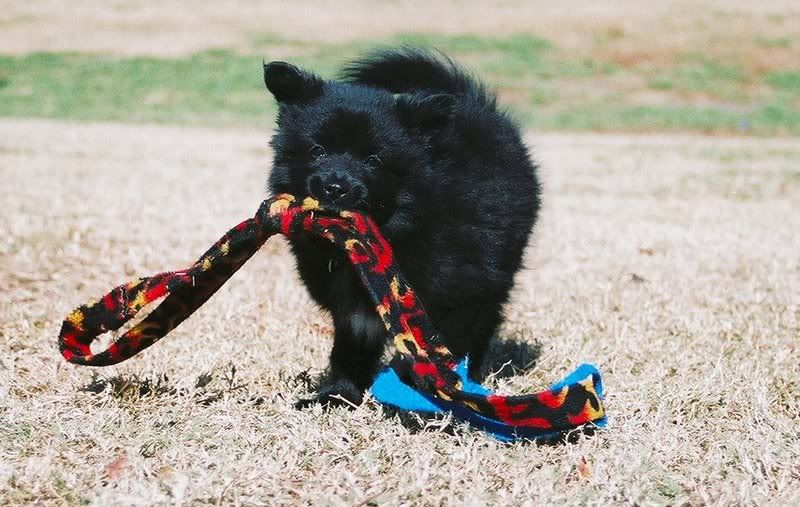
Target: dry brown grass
(672,263)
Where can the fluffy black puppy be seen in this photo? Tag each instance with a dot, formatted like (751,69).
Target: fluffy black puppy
(411,139)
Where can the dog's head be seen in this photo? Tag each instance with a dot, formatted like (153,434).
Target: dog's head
(346,144)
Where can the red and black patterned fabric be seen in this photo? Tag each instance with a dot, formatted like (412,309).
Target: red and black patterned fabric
(428,362)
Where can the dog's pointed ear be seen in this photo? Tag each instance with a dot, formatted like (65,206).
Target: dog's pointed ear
(425,111)
(289,83)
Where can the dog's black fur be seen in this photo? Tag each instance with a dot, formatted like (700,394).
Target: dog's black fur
(410,138)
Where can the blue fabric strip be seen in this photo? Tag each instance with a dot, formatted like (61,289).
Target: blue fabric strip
(390,390)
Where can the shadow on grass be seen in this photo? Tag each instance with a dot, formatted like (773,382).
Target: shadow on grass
(208,388)
(508,358)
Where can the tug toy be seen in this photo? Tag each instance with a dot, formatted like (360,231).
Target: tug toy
(432,379)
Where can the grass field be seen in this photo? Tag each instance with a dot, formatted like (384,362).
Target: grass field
(547,88)
(133,134)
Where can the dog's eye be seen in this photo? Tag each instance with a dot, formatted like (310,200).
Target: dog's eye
(373,161)
(317,151)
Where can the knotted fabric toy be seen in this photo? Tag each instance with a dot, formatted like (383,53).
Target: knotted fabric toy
(428,366)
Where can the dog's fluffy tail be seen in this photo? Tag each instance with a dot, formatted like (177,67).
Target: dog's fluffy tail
(409,70)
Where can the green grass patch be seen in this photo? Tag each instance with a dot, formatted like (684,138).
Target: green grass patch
(213,85)
(611,116)
(543,86)
(661,83)
(695,74)
(706,74)
(785,80)
(514,46)
(773,42)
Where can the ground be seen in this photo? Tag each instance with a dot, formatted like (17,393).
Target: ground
(669,260)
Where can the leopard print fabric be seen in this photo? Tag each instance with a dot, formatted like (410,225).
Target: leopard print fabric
(421,354)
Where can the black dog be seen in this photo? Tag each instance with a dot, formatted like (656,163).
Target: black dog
(411,139)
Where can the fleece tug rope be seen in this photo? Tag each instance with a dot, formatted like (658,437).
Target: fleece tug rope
(427,363)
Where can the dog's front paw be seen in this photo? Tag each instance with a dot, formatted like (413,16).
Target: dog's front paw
(336,394)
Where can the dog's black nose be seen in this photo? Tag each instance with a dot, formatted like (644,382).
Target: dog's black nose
(335,188)
(334,191)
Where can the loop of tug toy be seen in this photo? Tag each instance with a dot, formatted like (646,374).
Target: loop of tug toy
(428,365)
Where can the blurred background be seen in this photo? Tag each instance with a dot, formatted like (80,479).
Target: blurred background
(707,66)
